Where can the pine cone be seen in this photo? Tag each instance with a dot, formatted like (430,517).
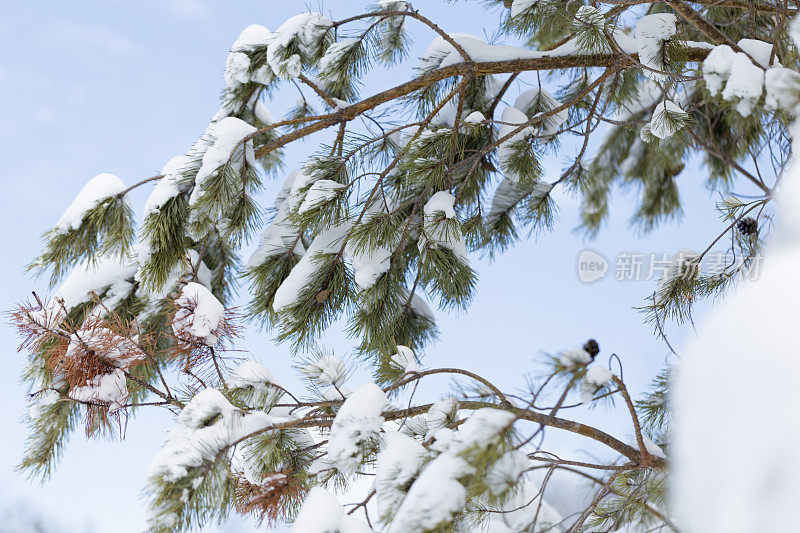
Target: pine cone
(674,171)
(592,348)
(322,296)
(486,164)
(747,226)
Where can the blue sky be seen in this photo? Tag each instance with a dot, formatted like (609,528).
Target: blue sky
(120,87)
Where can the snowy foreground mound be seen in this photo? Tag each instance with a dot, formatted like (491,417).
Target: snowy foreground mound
(737,459)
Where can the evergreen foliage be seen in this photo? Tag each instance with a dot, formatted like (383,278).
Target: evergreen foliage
(382,222)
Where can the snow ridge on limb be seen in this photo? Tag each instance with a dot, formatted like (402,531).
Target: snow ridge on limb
(322,513)
(97,190)
(98,222)
(198,316)
(387,217)
(187,469)
(356,426)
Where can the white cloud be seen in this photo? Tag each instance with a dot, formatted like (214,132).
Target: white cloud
(192,8)
(44,114)
(94,40)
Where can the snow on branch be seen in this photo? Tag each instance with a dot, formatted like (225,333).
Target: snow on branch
(385,218)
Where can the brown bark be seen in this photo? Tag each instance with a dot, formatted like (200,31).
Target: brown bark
(705,27)
(545,62)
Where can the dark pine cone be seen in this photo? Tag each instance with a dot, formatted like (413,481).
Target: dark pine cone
(747,226)
(592,348)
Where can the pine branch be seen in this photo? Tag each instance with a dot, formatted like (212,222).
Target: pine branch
(699,22)
(617,61)
(757,5)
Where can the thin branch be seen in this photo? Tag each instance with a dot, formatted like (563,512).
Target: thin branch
(138,184)
(545,62)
